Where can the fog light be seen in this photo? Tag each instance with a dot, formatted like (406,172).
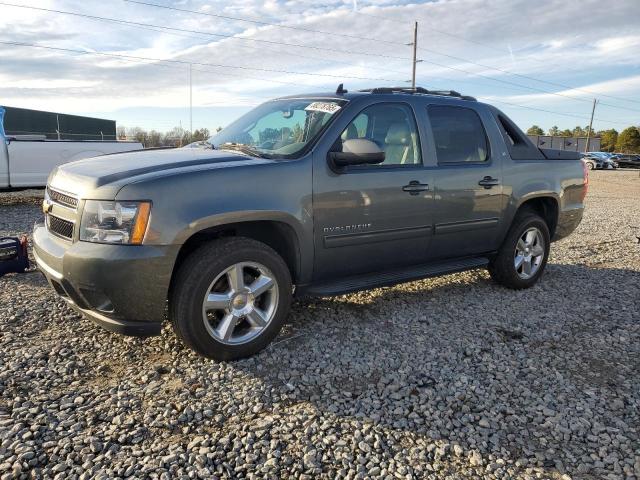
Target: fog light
(98,300)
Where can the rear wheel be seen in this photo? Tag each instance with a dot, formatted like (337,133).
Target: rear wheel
(230,298)
(523,255)
(590,165)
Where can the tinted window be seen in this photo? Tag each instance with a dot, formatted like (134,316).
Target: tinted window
(458,133)
(392,127)
(280,128)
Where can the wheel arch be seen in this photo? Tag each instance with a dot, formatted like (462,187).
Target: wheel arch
(277,234)
(547,206)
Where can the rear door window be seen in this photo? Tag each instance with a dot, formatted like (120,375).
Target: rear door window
(458,134)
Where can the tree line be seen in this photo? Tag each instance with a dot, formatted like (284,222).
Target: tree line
(626,141)
(176,137)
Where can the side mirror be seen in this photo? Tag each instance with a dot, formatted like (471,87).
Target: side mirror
(357,151)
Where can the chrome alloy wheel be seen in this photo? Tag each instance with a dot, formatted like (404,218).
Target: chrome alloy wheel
(529,253)
(240,303)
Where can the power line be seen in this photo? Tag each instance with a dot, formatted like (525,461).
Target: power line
(261,22)
(486,45)
(144,61)
(210,34)
(187,62)
(552,111)
(199,34)
(511,86)
(528,77)
(196,34)
(507,82)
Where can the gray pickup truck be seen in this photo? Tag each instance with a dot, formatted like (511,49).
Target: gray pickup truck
(304,195)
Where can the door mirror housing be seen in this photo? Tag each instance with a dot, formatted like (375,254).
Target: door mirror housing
(357,151)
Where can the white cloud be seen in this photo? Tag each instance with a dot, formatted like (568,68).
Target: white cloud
(50,83)
(616,44)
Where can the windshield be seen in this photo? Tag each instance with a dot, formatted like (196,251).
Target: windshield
(280,128)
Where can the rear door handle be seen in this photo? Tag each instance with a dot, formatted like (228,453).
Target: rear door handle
(415,187)
(488,182)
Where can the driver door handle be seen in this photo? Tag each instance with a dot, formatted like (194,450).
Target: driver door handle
(415,187)
(488,182)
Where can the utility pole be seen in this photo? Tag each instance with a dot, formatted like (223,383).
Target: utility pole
(415,51)
(586,147)
(190,102)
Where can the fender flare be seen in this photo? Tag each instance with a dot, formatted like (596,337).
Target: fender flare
(304,253)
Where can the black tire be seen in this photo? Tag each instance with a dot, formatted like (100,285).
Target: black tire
(590,166)
(502,267)
(195,276)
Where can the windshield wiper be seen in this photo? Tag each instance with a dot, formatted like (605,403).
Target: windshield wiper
(242,148)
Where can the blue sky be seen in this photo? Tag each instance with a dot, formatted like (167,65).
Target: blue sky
(548,55)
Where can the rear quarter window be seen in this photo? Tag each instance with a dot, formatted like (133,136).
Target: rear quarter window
(517,143)
(458,134)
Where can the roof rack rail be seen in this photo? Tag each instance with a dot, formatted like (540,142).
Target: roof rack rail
(421,90)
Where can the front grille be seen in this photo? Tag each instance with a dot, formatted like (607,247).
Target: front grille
(60,227)
(62,198)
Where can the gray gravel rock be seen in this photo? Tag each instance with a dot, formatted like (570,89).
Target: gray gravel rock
(452,377)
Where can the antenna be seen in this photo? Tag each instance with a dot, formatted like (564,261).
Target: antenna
(340,90)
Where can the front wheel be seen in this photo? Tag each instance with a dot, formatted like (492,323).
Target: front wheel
(524,253)
(230,298)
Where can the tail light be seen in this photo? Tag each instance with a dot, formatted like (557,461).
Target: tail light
(585,176)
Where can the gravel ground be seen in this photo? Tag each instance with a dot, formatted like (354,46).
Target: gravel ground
(452,377)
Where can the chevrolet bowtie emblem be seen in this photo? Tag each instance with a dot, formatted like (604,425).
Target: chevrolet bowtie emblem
(46,206)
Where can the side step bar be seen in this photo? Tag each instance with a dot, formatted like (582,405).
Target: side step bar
(392,277)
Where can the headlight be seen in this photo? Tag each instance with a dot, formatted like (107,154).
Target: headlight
(114,222)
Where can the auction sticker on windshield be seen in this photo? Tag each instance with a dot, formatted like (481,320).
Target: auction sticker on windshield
(326,107)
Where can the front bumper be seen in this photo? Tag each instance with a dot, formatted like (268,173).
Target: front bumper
(122,288)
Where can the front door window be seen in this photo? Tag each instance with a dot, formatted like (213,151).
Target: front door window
(393,128)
